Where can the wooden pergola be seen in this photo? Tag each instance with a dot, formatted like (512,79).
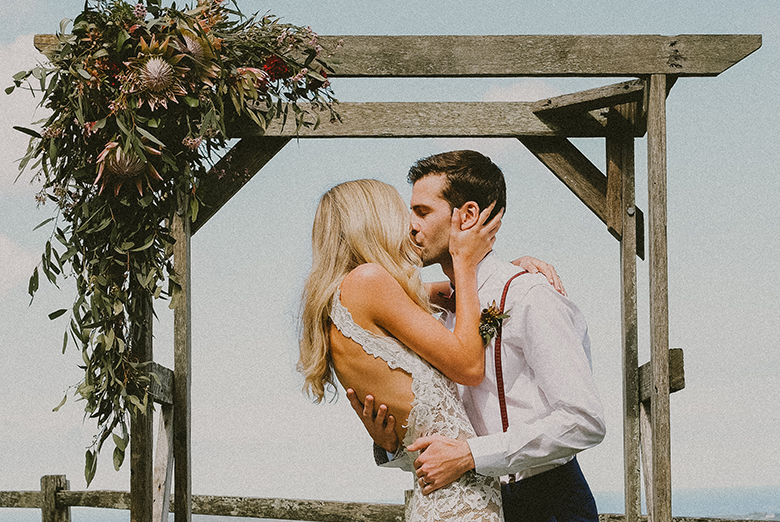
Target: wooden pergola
(619,113)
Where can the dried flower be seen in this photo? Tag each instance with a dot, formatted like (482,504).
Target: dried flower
(139,11)
(192,143)
(490,321)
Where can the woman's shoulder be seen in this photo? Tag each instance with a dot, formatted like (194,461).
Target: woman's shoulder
(369,292)
(368,274)
(366,281)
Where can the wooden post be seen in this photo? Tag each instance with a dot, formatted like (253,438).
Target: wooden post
(141,425)
(659,300)
(163,465)
(620,174)
(182,339)
(51,510)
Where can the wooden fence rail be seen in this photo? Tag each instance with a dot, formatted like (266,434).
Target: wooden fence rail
(55,501)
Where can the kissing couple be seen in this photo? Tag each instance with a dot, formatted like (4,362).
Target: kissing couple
(493,406)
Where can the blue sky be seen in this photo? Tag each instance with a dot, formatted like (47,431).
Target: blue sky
(255,434)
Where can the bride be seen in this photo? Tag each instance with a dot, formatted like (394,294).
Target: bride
(367,318)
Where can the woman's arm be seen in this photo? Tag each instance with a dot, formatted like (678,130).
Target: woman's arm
(439,291)
(377,302)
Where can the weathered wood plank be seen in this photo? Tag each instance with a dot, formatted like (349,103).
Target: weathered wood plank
(161,391)
(121,500)
(98,499)
(541,55)
(646,442)
(591,99)
(620,202)
(659,299)
(20,499)
(233,171)
(291,509)
(51,509)
(141,423)
(436,119)
(182,357)
(163,465)
(676,376)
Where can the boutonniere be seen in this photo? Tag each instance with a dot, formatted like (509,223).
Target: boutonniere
(489,322)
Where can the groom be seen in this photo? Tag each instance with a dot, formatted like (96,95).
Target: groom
(552,408)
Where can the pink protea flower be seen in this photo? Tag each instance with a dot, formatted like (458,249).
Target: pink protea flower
(121,165)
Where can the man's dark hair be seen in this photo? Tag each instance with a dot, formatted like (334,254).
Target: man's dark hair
(470,176)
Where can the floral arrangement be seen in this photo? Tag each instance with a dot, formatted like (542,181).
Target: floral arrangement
(141,97)
(489,322)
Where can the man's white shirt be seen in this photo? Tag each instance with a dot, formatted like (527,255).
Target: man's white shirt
(552,402)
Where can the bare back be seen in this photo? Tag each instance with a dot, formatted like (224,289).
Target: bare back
(367,374)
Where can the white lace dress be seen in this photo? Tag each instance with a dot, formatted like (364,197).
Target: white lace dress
(436,409)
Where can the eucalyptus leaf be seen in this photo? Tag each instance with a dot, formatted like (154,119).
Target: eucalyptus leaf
(148,135)
(57,313)
(62,402)
(27,131)
(32,287)
(90,466)
(43,223)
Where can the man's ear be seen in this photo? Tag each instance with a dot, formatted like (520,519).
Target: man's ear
(469,215)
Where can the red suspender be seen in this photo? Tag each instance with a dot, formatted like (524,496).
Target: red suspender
(499,370)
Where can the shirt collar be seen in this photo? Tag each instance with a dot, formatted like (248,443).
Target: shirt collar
(486,268)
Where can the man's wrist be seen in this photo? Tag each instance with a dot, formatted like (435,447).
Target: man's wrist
(467,460)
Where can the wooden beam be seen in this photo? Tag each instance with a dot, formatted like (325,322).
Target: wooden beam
(659,300)
(528,55)
(20,499)
(141,423)
(598,98)
(584,113)
(233,171)
(182,356)
(51,509)
(163,465)
(435,119)
(620,202)
(162,391)
(676,376)
(539,55)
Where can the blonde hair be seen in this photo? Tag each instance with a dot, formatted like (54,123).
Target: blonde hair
(357,222)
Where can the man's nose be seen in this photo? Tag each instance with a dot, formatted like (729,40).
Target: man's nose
(414,227)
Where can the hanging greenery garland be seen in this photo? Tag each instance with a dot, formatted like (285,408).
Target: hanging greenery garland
(140,99)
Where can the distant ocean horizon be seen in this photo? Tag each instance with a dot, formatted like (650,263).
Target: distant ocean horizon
(761,503)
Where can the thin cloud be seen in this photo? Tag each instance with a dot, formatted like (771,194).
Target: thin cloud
(16,264)
(526,90)
(20,108)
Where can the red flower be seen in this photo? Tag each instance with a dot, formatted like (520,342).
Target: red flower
(315,84)
(276,68)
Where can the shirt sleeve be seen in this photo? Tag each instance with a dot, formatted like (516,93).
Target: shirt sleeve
(552,335)
(401,459)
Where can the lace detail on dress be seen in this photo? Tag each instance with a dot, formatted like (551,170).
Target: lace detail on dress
(436,409)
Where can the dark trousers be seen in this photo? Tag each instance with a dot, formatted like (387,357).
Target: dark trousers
(558,495)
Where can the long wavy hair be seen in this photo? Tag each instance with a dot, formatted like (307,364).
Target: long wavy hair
(357,222)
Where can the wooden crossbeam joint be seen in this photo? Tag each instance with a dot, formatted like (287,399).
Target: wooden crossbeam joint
(161,385)
(676,376)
